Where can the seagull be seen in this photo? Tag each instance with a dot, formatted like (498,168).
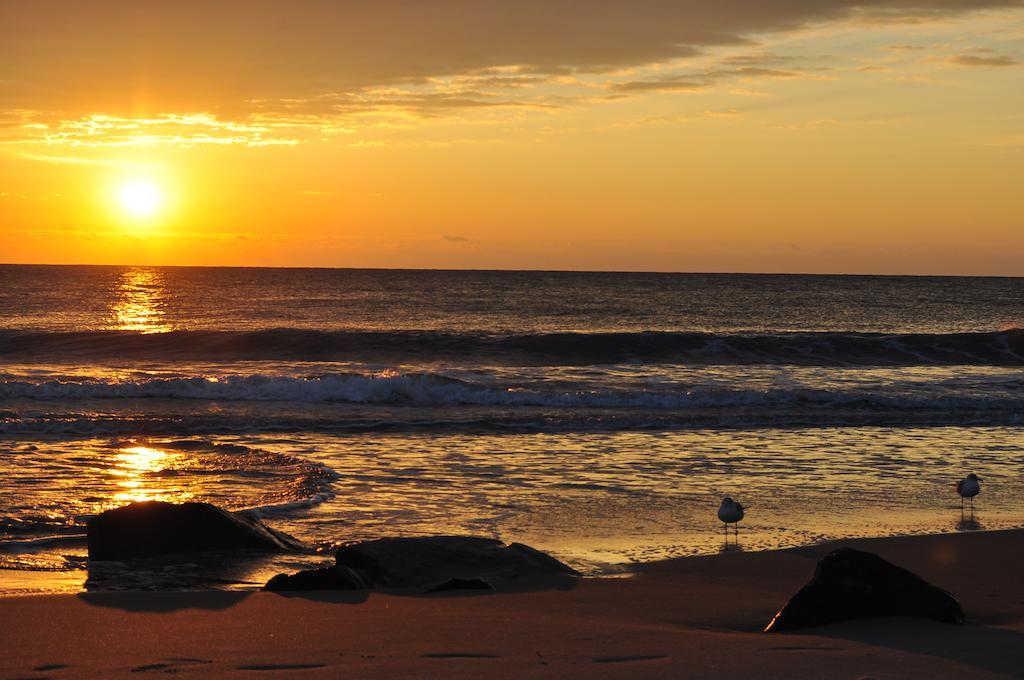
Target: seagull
(968,487)
(730,512)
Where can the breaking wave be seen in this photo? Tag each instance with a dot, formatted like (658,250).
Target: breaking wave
(403,402)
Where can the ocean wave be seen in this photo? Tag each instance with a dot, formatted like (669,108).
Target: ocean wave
(437,390)
(999,348)
(394,402)
(40,543)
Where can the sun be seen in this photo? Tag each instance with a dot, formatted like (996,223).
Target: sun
(139,198)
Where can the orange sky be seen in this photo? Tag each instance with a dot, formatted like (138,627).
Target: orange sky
(740,135)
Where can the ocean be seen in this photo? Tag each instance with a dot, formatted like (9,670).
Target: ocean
(599,417)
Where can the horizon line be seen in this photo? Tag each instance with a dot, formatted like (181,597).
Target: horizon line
(482,270)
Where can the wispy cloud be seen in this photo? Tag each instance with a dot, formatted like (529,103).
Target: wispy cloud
(700,80)
(76,160)
(979,60)
(29,197)
(170,130)
(671,84)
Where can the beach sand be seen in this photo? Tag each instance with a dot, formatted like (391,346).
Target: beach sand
(693,617)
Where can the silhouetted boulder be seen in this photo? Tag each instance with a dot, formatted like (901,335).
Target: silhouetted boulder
(153,528)
(426,562)
(326,578)
(851,584)
(430,565)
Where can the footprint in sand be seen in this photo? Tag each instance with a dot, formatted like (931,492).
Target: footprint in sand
(172,665)
(282,667)
(50,667)
(805,649)
(630,659)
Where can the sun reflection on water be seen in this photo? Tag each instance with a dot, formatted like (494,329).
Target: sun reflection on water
(139,300)
(136,466)
(142,458)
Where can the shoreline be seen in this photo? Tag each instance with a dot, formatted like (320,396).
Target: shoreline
(682,617)
(611,570)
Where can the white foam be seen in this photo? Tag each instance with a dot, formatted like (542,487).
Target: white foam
(428,389)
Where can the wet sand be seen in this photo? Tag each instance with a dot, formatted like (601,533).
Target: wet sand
(693,617)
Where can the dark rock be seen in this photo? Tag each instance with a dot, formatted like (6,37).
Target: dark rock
(460,584)
(153,528)
(851,584)
(423,562)
(435,564)
(327,578)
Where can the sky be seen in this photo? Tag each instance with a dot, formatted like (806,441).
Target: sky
(822,136)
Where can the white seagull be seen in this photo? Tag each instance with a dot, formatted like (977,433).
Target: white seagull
(968,487)
(730,512)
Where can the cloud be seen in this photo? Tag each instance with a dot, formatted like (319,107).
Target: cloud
(128,58)
(680,84)
(29,197)
(722,113)
(418,102)
(262,74)
(977,60)
(453,238)
(178,130)
(77,160)
(698,81)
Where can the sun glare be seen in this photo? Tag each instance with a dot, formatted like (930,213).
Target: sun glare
(139,198)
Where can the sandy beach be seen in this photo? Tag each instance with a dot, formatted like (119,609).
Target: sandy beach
(690,617)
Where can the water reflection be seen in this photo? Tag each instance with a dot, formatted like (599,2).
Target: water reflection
(139,468)
(731,548)
(968,524)
(139,300)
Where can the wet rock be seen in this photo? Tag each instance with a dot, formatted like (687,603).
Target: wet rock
(852,584)
(418,563)
(431,565)
(326,578)
(153,528)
